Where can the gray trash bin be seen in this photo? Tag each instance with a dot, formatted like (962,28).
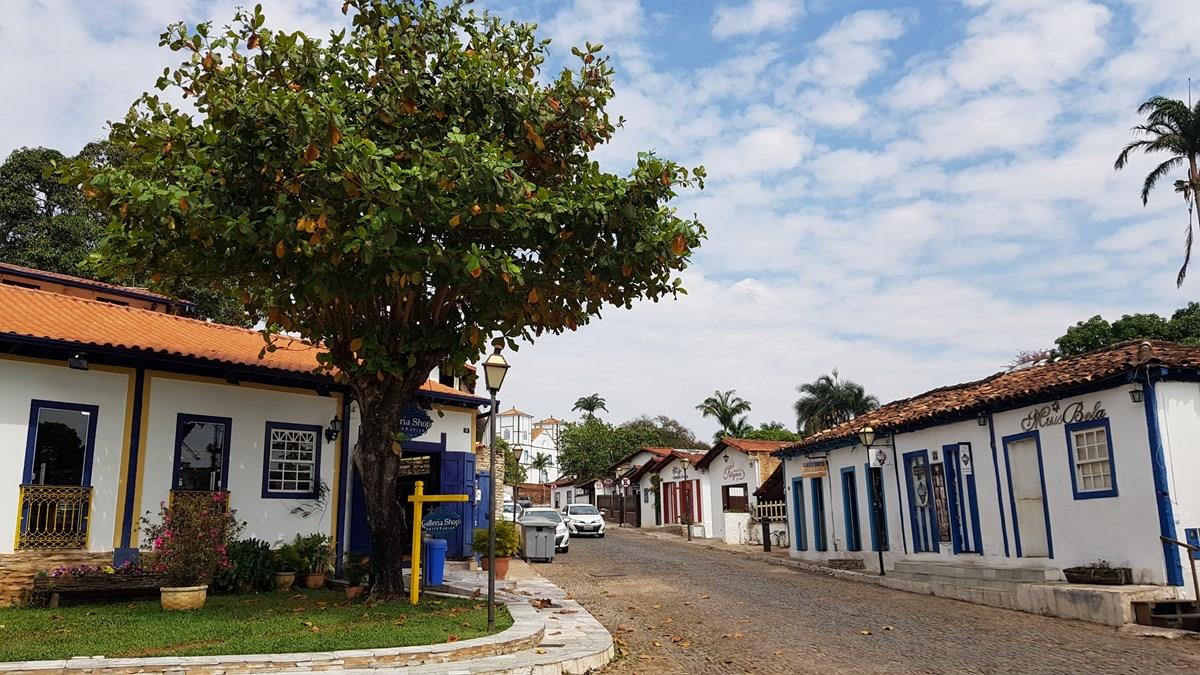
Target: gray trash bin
(538,535)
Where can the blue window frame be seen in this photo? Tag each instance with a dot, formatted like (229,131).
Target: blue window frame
(201,453)
(1091,459)
(799,514)
(879,530)
(292,461)
(850,509)
(60,443)
(820,542)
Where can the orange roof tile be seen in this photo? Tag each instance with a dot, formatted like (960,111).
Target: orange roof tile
(1011,388)
(88,323)
(80,281)
(746,445)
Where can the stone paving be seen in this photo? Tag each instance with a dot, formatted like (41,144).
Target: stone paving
(675,607)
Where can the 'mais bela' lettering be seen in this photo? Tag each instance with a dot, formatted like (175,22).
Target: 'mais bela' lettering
(1054,414)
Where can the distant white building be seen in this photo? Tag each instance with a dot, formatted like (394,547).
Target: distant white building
(531,438)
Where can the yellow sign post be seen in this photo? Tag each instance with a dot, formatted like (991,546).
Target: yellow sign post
(418,499)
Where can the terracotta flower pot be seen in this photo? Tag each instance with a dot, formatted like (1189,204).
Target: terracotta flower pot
(284,580)
(180,598)
(314,580)
(501,566)
(353,592)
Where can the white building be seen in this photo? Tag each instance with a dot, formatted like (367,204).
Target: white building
(673,491)
(531,438)
(1035,470)
(110,405)
(736,468)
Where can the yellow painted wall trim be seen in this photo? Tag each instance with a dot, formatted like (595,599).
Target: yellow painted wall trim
(337,471)
(147,399)
(123,477)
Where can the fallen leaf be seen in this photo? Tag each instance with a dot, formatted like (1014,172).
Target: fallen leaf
(452,638)
(888,628)
(865,632)
(311,153)
(706,596)
(540,650)
(657,643)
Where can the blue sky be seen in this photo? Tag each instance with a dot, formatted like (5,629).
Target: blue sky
(910,192)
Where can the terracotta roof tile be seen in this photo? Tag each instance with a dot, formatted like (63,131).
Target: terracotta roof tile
(88,323)
(1012,388)
(746,445)
(88,283)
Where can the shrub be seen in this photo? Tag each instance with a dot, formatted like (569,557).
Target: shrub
(251,566)
(508,543)
(356,569)
(189,543)
(287,559)
(316,552)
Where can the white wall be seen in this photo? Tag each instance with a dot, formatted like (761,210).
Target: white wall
(25,381)
(731,467)
(250,408)
(646,488)
(1179,415)
(1122,529)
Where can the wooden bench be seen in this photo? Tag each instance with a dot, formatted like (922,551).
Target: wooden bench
(49,591)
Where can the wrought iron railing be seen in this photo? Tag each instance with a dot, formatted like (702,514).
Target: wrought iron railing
(773,511)
(53,516)
(1190,551)
(217,499)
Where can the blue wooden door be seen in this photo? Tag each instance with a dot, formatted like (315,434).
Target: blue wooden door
(458,478)
(483,482)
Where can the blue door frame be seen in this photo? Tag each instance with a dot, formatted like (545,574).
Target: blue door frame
(877,528)
(820,539)
(925,530)
(850,509)
(798,511)
(1012,498)
(965,524)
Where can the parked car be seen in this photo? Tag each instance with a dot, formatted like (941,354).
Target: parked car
(524,502)
(584,519)
(562,536)
(507,511)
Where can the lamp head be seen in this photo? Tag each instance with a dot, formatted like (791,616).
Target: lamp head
(866,436)
(495,367)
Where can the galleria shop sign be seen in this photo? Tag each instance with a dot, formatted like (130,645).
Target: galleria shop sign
(1055,413)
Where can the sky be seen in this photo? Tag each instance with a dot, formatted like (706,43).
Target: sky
(909,192)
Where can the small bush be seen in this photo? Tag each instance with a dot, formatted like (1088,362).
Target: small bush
(357,568)
(316,552)
(508,543)
(251,566)
(189,543)
(288,559)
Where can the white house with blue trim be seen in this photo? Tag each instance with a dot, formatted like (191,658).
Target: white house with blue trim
(1015,477)
(112,402)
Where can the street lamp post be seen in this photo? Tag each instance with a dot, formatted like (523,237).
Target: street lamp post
(687,502)
(495,367)
(866,436)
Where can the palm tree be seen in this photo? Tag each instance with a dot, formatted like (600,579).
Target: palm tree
(1171,127)
(729,410)
(540,463)
(829,400)
(590,404)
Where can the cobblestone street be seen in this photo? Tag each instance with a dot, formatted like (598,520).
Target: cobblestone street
(682,608)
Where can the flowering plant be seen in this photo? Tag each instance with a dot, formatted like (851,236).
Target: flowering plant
(128,568)
(189,542)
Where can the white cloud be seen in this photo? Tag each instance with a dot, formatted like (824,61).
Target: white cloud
(755,16)
(596,22)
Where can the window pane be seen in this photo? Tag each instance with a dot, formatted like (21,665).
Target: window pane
(60,445)
(293,459)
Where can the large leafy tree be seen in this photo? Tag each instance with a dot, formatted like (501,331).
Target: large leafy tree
(50,226)
(397,193)
(588,447)
(830,400)
(730,411)
(590,404)
(772,431)
(1172,128)
(660,432)
(1097,332)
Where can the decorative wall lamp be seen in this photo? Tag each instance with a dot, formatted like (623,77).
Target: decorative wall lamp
(982,420)
(1137,394)
(77,361)
(334,430)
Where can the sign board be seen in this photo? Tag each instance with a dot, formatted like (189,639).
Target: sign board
(608,481)
(625,482)
(814,468)
(879,458)
(598,486)
(441,522)
(1053,414)
(414,422)
(733,472)
(965,461)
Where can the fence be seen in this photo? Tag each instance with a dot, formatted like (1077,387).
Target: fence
(775,512)
(53,516)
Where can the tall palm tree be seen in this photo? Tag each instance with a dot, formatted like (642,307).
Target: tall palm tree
(729,410)
(590,404)
(1171,127)
(828,401)
(541,463)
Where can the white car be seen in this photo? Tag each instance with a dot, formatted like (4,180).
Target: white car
(584,519)
(562,536)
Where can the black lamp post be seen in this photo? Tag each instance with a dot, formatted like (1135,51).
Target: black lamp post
(687,502)
(495,367)
(866,436)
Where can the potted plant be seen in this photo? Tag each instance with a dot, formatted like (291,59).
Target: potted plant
(287,563)
(1099,572)
(356,569)
(316,552)
(188,546)
(507,545)
(251,567)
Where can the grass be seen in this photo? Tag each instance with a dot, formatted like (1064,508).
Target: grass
(262,623)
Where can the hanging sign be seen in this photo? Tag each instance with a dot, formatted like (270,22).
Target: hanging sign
(625,482)
(814,468)
(441,522)
(965,460)
(414,422)
(879,458)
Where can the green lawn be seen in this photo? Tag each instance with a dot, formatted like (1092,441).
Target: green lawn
(263,623)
